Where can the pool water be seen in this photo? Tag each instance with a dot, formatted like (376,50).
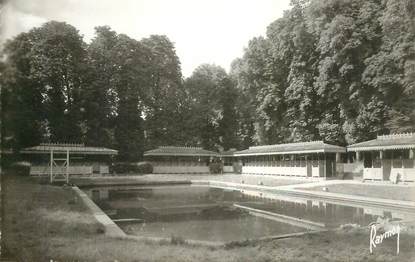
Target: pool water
(215,214)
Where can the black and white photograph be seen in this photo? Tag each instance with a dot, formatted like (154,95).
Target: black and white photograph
(196,130)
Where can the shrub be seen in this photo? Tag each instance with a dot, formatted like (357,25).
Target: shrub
(144,168)
(216,167)
(20,168)
(124,168)
(177,240)
(237,168)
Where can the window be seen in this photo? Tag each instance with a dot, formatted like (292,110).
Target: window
(388,154)
(344,158)
(303,162)
(408,163)
(367,159)
(405,154)
(376,163)
(398,155)
(287,160)
(296,160)
(314,158)
(397,163)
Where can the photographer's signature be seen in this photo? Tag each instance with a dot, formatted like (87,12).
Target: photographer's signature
(377,239)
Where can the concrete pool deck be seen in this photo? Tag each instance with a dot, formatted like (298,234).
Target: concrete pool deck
(111,229)
(334,198)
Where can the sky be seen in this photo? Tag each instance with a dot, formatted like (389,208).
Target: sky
(203,31)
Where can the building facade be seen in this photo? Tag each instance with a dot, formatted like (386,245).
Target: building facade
(314,159)
(231,163)
(387,158)
(180,160)
(61,159)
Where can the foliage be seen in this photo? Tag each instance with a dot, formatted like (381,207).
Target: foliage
(144,168)
(165,97)
(132,168)
(57,88)
(342,71)
(100,96)
(211,108)
(57,62)
(20,168)
(216,167)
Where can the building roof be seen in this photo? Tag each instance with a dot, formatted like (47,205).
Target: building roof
(46,148)
(292,148)
(394,141)
(230,152)
(179,151)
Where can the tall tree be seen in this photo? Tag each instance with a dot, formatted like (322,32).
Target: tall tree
(99,96)
(398,22)
(228,123)
(130,82)
(211,113)
(22,108)
(244,104)
(164,101)
(57,63)
(300,95)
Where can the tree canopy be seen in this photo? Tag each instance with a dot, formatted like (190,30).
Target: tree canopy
(342,71)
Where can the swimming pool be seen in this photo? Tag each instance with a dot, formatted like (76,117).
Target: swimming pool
(216,214)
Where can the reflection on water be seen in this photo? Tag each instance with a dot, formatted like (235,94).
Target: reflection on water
(206,213)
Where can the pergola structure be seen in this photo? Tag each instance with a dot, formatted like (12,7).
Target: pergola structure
(59,166)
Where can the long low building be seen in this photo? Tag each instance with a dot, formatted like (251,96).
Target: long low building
(387,158)
(61,159)
(306,159)
(182,160)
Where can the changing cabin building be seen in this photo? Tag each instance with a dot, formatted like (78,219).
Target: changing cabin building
(61,160)
(387,158)
(184,160)
(314,159)
(230,162)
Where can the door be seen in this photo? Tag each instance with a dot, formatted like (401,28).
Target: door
(386,166)
(309,168)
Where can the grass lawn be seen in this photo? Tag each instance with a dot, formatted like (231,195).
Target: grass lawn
(43,222)
(367,190)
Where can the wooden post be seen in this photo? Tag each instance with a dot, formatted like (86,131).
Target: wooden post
(67,166)
(51,166)
(338,157)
